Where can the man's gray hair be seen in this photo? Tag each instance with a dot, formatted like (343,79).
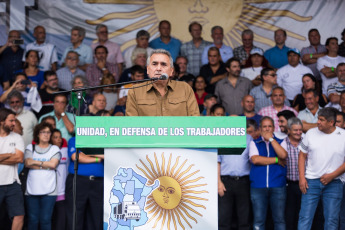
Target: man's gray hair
(82,78)
(294,121)
(161,51)
(248,32)
(329,113)
(216,28)
(81,31)
(266,118)
(16,94)
(100,26)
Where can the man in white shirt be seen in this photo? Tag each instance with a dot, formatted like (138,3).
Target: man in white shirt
(11,153)
(324,147)
(309,116)
(290,76)
(327,64)
(47,52)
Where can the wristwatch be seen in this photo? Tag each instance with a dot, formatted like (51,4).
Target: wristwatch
(104,68)
(271,139)
(63,114)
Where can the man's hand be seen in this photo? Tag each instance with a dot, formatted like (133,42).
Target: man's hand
(267,135)
(281,162)
(303,185)
(101,63)
(326,178)
(221,188)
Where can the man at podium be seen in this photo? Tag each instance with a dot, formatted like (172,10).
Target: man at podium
(163,97)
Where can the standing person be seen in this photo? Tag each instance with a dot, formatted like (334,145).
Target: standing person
(217,34)
(320,178)
(165,40)
(199,91)
(42,159)
(312,53)
(11,153)
(114,51)
(233,88)
(60,212)
(309,115)
(268,176)
(254,65)
(334,90)
(163,97)
(47,51)
(277,56)
(293,193)
(327,64)
(194,48)
(341,50)
(84,51)
(248,105)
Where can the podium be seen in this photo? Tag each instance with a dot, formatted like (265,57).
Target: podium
(161,172)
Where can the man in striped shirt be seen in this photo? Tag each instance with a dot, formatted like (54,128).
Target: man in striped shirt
(334,90)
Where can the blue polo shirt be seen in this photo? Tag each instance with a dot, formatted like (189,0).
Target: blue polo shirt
(173,46)
(277,57)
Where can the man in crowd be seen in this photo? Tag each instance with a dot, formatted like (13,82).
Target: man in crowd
(283,117)
(214,71)
(193,49)
(209,101)
(277,56)
(234,189)
(217,34)
(312,53)
(11,57)
(327,64)
(293,193)
(99,103)
(253,128)
(309,116)
(47,94)
(84,51)
(242,52)
(277,97)
(142,40)
(341,50)
(152,100)
(334,90)
(165,41)
(290,76)
(96,71)
(64,120)
(67,73)
(340,120)
(47,51)
(114,51)
(248,105)
(268,154)
(233,88)
(320,178)
(11,153)
(183,75)
(27,118)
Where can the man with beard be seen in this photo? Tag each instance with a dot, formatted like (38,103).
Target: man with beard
(233,88)
(283,117)
(51,81)
(309,115)
(11,153)
(67,73)
(27,118)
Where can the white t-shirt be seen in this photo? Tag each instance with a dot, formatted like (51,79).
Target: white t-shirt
(326,152)
(290,79)
(47,53)
(329,62)
(251,72)
(111,99)
(9,144)
(28,120)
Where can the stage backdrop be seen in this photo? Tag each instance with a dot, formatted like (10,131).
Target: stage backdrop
(125,17)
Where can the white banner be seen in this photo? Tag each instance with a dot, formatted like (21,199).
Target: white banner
(160,189)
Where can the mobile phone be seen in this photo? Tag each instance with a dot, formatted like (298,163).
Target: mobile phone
(25,82)
(18,42)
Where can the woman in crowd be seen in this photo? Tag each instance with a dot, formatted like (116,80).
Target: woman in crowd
(79,81)
(59,217)
(139,57)
(199,91)
(254,64)
(309,82)
(42,159)
(31,68)
(110,93)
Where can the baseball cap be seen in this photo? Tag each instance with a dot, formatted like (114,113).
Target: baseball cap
(257,51)
(294,50)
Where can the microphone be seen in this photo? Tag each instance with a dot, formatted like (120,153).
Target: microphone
(164,76)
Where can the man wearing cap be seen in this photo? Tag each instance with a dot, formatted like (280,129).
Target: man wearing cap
(257,62)
(209,101)
(327,64)
(277,56)
(289,77)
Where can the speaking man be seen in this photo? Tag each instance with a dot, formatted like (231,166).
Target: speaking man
(162,97)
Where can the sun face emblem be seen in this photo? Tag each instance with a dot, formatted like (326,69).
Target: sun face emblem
(173,201)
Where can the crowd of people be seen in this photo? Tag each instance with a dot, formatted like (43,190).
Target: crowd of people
(294,102)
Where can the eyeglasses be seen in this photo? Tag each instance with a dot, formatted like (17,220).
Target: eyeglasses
(45,132)
(14,102)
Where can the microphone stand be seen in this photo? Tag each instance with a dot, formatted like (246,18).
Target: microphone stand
(79,92)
